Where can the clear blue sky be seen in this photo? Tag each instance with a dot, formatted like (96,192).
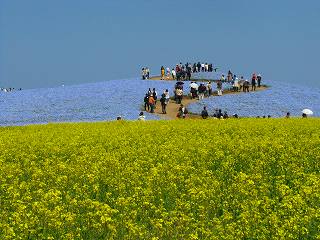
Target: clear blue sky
(47,43)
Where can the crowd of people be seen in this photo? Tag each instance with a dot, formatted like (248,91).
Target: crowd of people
(145,73)
(151,98)
(9,89)
(217,114)
(198,91)
(241,84)
(184,71)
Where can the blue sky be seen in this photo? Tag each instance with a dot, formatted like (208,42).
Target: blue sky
(49,43)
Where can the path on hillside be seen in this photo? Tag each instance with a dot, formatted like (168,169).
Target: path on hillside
(172,107)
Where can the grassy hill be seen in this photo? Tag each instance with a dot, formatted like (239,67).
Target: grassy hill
(182,179)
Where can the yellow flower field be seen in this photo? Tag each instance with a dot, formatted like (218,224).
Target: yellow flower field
(182,179)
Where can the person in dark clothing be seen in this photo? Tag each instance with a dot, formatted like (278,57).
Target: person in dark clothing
(182,112)
(188,73)
(199,66)
(219,115)
(246,86)
(259,80)
(288,115)
(194,68)
(204,113)
(225,115)
(253,82)
(146,102)
(163,103)
(215,115)
(155,95)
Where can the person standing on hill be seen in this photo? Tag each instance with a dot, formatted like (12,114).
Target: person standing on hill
(259,80)
(146,102)
(246,85)
(143,74)
(188,73)
(229,76)
(222,79)
(236,84)
(201,90)
(253,82)
(163,103)
(168,72)
(155,95)
(219,87)
(162,73)
(179,95)
(194,68)
(173,73)
(198,67)
(209,89)
(166,92)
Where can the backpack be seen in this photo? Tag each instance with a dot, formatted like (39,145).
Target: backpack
(162,99)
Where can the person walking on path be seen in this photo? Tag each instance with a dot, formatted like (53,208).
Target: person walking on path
(152,103)
(204,113)
(163,103)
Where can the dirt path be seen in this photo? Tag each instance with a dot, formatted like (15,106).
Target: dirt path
(172,107)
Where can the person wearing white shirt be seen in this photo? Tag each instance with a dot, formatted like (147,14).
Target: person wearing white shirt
(166,92)
(236,84)
(173,73)
(206,67)
(141,117)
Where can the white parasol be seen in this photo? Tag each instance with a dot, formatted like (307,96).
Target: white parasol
(194,85)
(307,111)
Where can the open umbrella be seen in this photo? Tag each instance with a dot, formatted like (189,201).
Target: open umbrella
(194,85)
(179,83)
(307,111)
